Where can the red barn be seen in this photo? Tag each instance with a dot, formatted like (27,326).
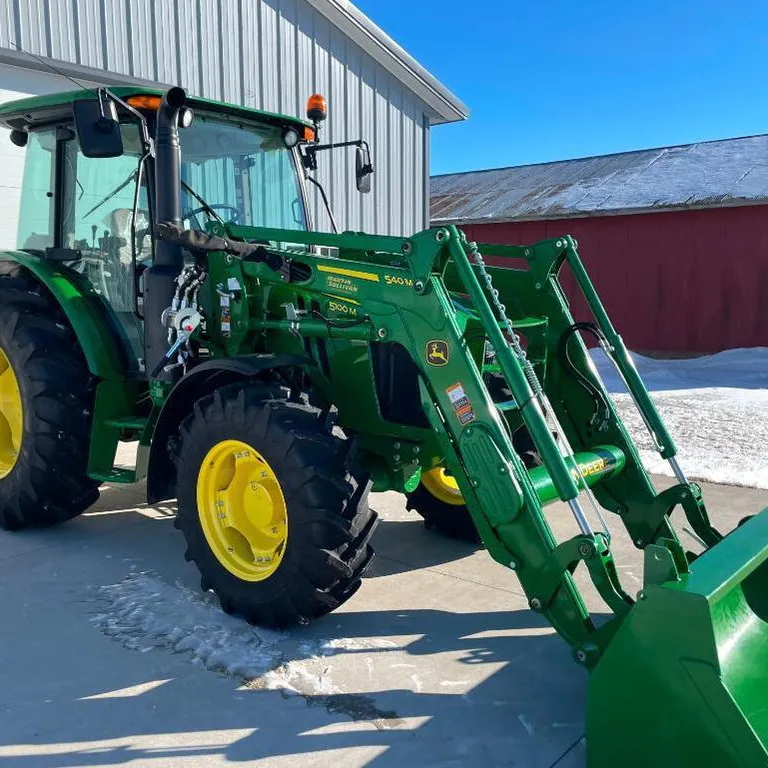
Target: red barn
(675,239)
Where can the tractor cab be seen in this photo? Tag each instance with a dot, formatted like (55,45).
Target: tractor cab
(238,166)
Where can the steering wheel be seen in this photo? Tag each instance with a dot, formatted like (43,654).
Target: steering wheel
(193,214)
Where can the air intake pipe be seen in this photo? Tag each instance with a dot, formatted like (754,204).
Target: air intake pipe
(159,278)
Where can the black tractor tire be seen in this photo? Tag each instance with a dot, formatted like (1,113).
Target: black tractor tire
(329,526)
(48,483)
(454,520)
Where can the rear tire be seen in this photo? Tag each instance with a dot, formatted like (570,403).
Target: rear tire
(326,549)
(42,371)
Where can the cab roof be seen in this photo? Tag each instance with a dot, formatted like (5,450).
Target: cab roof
(24,114)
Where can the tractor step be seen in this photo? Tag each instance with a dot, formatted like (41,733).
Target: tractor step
(127,422)
(118,475)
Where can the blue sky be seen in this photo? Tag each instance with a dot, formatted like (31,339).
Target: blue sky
(554,79)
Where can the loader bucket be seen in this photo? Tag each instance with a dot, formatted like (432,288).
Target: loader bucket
(685,680)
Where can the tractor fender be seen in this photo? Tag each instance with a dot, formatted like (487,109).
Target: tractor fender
(85,310)
(200,381)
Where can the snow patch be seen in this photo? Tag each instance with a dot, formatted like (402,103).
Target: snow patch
(358,644)
(145,613)
(721,434)
(715,408)
(733,368)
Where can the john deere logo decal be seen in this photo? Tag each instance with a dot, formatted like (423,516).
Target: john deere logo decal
(437,352)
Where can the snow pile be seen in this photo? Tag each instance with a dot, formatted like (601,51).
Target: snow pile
(144,613)
(734,369)
(715,407)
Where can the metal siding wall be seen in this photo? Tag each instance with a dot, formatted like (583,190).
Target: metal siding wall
(91,28)
(353,213)
(341,184)
(116,31)
(269,54)
(687,281)
(385,167)
(167,53)
(383,192)
(64,39)
(141,41)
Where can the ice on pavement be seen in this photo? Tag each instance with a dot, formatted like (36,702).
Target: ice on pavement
(144,613)
(715,407)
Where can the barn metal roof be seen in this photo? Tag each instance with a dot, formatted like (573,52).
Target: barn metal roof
(703,175)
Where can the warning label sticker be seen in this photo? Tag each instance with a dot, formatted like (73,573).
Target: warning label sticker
(461,404)
(466,416)
(455,392)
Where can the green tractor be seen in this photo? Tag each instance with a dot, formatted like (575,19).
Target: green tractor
(168,289)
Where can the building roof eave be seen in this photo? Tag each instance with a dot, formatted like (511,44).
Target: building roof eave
(442,221)
(380,46)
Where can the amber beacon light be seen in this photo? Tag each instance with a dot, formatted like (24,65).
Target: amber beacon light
(317,108)
(145,101)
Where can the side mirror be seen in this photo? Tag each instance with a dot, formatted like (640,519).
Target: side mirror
(98,129)
(363,169)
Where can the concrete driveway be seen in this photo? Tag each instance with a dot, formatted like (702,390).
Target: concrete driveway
(435,661)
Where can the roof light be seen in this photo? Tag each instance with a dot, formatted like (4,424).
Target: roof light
(290,137)
(144,101)
(19,138)
(317,108)
(185,117)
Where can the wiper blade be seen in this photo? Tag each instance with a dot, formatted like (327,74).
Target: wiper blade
(123,185)
(207,208)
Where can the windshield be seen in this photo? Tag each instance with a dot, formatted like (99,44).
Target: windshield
(243,171)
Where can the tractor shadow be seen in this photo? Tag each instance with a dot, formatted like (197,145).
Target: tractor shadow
(525,712)
(459,680)
(404,545)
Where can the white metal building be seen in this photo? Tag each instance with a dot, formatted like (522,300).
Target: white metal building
(268,54)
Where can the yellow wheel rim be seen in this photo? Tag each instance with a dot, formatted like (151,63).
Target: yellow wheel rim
(242,510)
(11,417)
(442,486)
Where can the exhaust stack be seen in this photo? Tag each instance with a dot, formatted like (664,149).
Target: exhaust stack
(159,278)
(168,173)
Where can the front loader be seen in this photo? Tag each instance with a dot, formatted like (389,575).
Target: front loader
(168,289)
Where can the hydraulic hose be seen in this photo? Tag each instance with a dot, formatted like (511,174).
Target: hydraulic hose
(598,399)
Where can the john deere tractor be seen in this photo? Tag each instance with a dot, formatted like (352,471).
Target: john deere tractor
(168,289)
